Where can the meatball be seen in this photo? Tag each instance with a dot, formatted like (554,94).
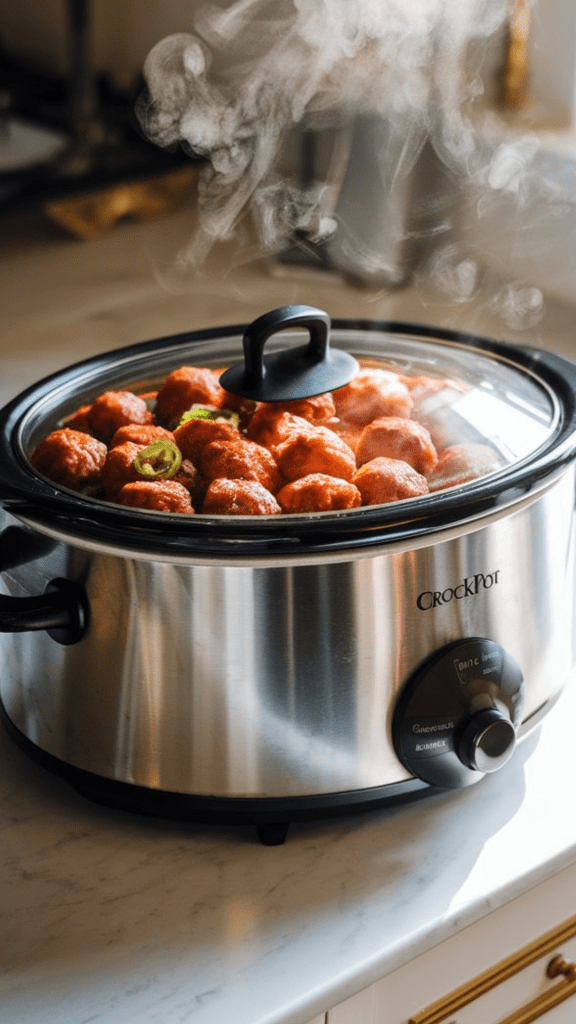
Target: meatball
(240,459)
(80,420)
(156,495)
(382,480)
(185,387)
(395,438)
(114,409)
(193,436)
(371,394)
(72,459)
(319,450)
(239,498)
(140,434)
(422,386)
(272,424)
(349,432)
(317,410)
(461,463)
(438,412)
(318,492)
(119,468)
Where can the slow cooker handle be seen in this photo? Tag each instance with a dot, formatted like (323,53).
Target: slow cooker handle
(62,610)
(296,372)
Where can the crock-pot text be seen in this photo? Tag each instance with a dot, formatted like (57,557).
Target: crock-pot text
(469,587)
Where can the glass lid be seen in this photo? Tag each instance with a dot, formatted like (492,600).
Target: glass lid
(432,428)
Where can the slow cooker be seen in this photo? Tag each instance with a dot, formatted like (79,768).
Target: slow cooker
(266,669)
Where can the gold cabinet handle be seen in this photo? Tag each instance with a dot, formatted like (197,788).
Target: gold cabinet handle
(444,1009)
(553,997)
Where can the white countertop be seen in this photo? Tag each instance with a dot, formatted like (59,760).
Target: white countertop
(107,917)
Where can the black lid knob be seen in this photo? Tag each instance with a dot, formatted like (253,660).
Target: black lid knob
(296,372)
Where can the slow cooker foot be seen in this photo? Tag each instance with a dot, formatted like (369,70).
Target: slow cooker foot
(274,834)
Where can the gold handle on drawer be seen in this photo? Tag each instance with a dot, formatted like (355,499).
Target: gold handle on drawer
(553,997)
(560,966)
(444,1010)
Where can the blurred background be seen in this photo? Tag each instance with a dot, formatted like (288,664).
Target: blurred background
(71,147)
(69,70)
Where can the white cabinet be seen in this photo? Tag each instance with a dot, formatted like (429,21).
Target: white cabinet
(488,973)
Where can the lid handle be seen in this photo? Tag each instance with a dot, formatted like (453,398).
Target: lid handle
(296,372)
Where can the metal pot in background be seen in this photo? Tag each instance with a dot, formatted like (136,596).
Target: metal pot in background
(387,193)
(374,241)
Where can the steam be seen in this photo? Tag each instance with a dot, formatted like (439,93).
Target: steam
(520,306)
(231,91)
(458,276)
(453,274)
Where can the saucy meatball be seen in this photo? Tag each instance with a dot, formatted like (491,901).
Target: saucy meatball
(349,432)
(185,387)
(114,409)
(317,410)
(140,434)
(423,386)
(371,394)
(193,436)
(271,424)
(319,450)
(382,480)
(435,411)
(80,420)
(72,459)
(395,438)
(239,498)
(461,463)
(240,460)
(318,492)
(156,495)
(119,468)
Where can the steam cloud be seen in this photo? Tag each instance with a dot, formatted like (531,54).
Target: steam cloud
(254,69)
(231,91)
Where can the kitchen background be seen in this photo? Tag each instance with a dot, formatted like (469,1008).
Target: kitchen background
(71,73)
(122,33)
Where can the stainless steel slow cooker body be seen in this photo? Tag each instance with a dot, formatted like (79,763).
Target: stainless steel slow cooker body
(268,671)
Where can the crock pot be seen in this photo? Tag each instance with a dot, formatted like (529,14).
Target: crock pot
(267,669)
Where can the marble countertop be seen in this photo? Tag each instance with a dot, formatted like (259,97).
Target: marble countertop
(107,916)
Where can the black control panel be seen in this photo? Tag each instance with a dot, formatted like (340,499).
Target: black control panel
(457,716)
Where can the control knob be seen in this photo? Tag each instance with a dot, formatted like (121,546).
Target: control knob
(456,718)
(487,742)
